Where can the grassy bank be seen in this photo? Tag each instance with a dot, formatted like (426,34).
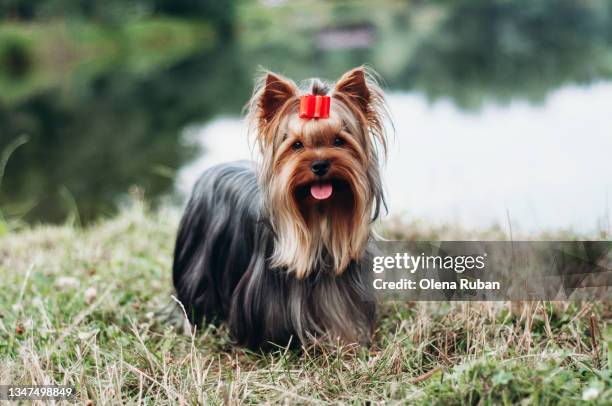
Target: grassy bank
(77,307)
(38,56)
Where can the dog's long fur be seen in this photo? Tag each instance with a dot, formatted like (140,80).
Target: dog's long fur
(255,250)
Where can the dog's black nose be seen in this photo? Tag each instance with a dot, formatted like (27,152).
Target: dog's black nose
(320,168)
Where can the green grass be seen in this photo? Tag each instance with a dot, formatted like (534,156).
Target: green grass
(77,307)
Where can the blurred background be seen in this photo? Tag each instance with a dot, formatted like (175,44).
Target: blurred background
(502,108)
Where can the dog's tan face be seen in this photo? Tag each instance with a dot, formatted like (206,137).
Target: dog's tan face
(320,176)
(322,165)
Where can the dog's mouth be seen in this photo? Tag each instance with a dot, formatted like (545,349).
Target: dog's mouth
(322,190)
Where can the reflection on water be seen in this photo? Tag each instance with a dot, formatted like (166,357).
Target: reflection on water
(499,104)
(546,167)
(119,130)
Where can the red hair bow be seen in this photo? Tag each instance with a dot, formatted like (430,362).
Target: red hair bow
(314,106)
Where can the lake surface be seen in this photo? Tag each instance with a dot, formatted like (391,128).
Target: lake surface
(502,109)
(543,167)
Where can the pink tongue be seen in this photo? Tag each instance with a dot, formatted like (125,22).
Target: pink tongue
(321,191)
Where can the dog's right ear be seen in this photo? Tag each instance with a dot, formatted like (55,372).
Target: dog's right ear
(275,93)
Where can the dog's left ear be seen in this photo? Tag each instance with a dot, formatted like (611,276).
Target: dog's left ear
(358,88)
(275,93)
(354,86)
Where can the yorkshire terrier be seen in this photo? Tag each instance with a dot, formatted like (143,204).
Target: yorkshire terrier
(276,249)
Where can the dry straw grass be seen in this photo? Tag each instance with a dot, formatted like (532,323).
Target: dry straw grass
(77,305)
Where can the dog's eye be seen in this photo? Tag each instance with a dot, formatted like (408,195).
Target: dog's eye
(338,142)
(297,145)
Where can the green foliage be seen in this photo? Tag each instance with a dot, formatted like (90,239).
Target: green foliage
(5,224)
(513,48)
(105,89)
(16,58)
(107,111)
(471,51)
(219,13)
(29,62)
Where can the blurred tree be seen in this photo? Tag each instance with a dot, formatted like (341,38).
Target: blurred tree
(508,48)
(118,123)
(220,13)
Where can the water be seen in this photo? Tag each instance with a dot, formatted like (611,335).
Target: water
(501,108)
(543,167)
